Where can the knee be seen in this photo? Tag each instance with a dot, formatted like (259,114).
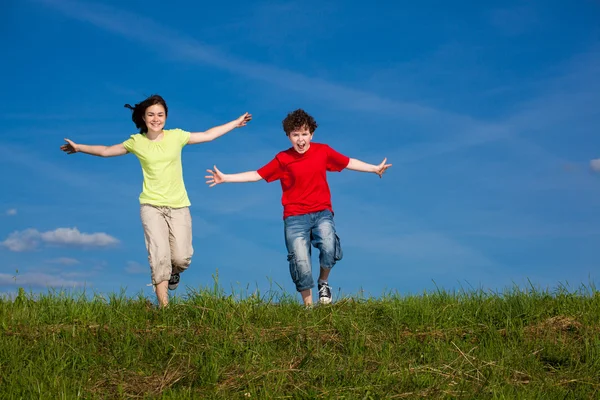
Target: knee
(331,252)
(181,263)
(300,271)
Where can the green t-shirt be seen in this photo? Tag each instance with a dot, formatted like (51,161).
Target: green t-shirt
(161,165)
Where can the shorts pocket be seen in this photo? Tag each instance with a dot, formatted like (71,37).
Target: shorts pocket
(293,266)
(338,254)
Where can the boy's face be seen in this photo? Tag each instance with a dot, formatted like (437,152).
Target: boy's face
(300,138)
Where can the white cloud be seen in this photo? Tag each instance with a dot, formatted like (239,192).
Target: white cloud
(595,165)
(80,274)
(72,236)
(8,295)
(30,239)
(40,280)
(136,268)
(12,211)
(64,261)
(22,241)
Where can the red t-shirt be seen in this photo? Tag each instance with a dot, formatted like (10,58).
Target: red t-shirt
(304,177)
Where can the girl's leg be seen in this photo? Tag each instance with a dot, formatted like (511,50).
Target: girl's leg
(180,238)
(156,236)
(162,293)
(297,241)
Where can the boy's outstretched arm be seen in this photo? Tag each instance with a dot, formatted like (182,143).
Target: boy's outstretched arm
(96,150)
(217,177)
(357,165)
(217,131)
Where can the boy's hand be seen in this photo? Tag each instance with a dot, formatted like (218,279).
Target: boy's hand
(243,120)
(70,147)
(215,177)
(382,167)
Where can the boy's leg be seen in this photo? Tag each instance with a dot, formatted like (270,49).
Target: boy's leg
(180,240)
(297,241)
(307,297)
(324,274)
(326,240)
(156,237)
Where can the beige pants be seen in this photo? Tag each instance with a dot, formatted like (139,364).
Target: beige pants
(168,236)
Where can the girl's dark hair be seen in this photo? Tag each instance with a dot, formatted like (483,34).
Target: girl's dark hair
(298,119)
(139,111)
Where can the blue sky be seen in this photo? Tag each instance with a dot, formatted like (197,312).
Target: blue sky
(487,110)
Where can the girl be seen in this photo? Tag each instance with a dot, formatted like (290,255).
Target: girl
(164,203)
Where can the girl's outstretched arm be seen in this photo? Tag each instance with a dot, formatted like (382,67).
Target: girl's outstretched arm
(217,131)
(357,165)
(217,177)
(101,151)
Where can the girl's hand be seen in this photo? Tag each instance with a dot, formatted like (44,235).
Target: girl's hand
(243,120)
(70,147)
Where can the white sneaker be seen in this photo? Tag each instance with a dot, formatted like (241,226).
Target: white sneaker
(324,293)
(174,281)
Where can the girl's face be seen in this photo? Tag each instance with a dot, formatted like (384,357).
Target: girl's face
(155,118)
(300,139)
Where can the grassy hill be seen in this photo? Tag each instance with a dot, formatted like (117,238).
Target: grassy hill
(518,344)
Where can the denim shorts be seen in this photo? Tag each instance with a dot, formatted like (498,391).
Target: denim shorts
(302,231)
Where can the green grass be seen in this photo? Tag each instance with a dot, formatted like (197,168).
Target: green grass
(526,344)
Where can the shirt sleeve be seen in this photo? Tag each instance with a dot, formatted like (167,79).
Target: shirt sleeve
(183,136)
(271,171)
(129,144)
(336,161)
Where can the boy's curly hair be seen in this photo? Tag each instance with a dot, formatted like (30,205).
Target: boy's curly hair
(298,119)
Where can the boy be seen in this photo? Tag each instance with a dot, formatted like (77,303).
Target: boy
(306,200)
